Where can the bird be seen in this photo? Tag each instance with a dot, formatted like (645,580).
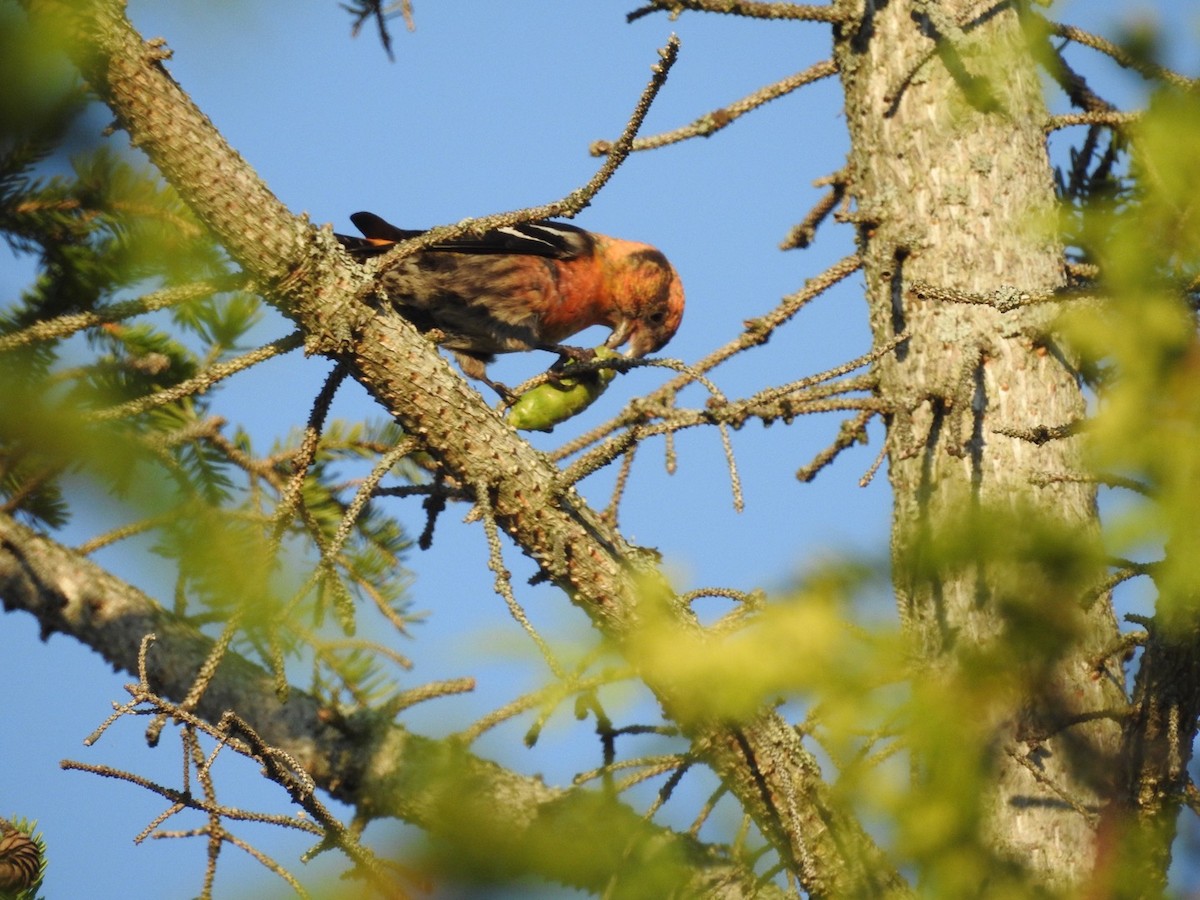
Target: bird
(528,286)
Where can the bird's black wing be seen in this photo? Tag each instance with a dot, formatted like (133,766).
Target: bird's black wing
(543,237)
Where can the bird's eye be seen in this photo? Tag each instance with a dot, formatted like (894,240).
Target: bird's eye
(657,317)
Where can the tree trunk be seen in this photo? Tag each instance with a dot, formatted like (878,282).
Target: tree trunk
(954,191)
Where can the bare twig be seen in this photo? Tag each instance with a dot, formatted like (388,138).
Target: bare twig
(548,698)
(307,451)
(1076,86)
(1145,68)
(1041,434)
(1111,117)
(1005,298)
(757,331)
(622,479)
(202,382)
(363,495)
(66,325)
(735,483)
(869,475)
(803,233)
(376,11)
(751,9)
(852,431)
(503,580)
(1049,784)
(431,691)
(1122,647)
(712,122)
(573,203)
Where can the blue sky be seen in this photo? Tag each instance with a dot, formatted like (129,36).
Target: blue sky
(489,107)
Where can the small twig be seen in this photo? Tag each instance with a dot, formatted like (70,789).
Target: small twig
(803,234)
(650,766)
(824,398)
(622,479)
(852,431)
(748,598)
(328,648)
(601,456)
(434,504)
(869,475)
(548,698)
(759,330)
(735,483)
(640,411)
(573,203)
(119,534)
(366,490)
(1124,570)
(202,382)
(1107,479)
(1043,434)
(503,581)
(432,691)
(1076,86)
(1005,298)
(771,394)
(1041,778)
(1037,733)
(307,451)
(1121,647)
(751,9)
(204,676)
(706,809)
(710,123)
(262,859)
(670,457)
(1145,68)
(374,9)
(1111,117)
(285,771)
(668,788)
(71,323)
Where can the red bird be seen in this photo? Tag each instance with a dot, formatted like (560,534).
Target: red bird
(527,287)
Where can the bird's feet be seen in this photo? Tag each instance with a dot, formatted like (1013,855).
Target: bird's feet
(505,392)
(567,353)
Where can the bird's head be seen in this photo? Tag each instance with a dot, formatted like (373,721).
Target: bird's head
(646,298)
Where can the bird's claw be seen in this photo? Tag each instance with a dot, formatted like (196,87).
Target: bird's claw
(505,392)
(567,353)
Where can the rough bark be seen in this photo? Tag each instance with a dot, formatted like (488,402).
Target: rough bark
(953,185)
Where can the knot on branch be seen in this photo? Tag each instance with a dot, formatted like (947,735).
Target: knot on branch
(327,298)
(157,50)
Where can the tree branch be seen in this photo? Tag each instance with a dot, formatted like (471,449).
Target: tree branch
(374,764)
